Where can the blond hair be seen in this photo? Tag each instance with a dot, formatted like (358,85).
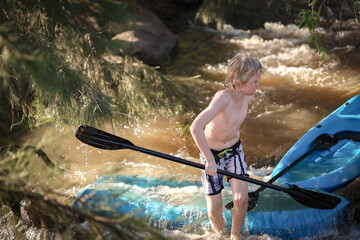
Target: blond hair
(241,67)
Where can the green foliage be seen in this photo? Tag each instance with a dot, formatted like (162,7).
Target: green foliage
(141,90)
(355,10)
(49,214)
(213,10)
(58,62)
(33,67)
(310,18)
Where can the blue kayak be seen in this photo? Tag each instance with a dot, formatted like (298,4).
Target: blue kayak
(172,204)
(332,168)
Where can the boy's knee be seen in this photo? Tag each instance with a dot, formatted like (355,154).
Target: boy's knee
(240,201)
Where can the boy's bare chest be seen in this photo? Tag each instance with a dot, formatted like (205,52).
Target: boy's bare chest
(235,115)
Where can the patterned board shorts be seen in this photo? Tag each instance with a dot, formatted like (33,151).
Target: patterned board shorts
(230,159)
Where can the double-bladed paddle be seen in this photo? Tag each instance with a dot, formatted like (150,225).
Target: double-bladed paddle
(323,141)
(103,140)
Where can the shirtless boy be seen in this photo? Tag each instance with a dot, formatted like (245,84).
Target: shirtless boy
(216,131)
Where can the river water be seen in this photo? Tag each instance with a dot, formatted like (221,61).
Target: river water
(298,89)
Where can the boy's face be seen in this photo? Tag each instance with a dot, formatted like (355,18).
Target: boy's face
(251,85)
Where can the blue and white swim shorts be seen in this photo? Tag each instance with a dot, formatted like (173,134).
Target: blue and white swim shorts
(231,159)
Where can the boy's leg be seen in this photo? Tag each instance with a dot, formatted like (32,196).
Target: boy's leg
(240,199)
(215,209)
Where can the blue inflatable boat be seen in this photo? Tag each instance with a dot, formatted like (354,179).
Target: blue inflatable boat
(169,204)
(330,168)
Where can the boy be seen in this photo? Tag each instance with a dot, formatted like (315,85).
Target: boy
(216,131)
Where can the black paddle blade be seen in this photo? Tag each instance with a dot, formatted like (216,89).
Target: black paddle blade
(100,139)
(313,199)
(230,205)
(253,199)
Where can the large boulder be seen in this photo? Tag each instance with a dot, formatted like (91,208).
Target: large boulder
(148,39)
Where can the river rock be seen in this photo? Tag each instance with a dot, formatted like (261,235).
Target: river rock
(149,39)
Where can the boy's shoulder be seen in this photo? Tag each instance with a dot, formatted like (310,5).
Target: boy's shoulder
(226,96)
(221,99)
(224,93)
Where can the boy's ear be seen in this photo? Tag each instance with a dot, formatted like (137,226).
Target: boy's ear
(240,83)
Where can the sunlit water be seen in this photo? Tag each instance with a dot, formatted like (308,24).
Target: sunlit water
(298,89)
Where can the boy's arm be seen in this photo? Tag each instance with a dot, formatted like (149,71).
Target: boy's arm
(216,105)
